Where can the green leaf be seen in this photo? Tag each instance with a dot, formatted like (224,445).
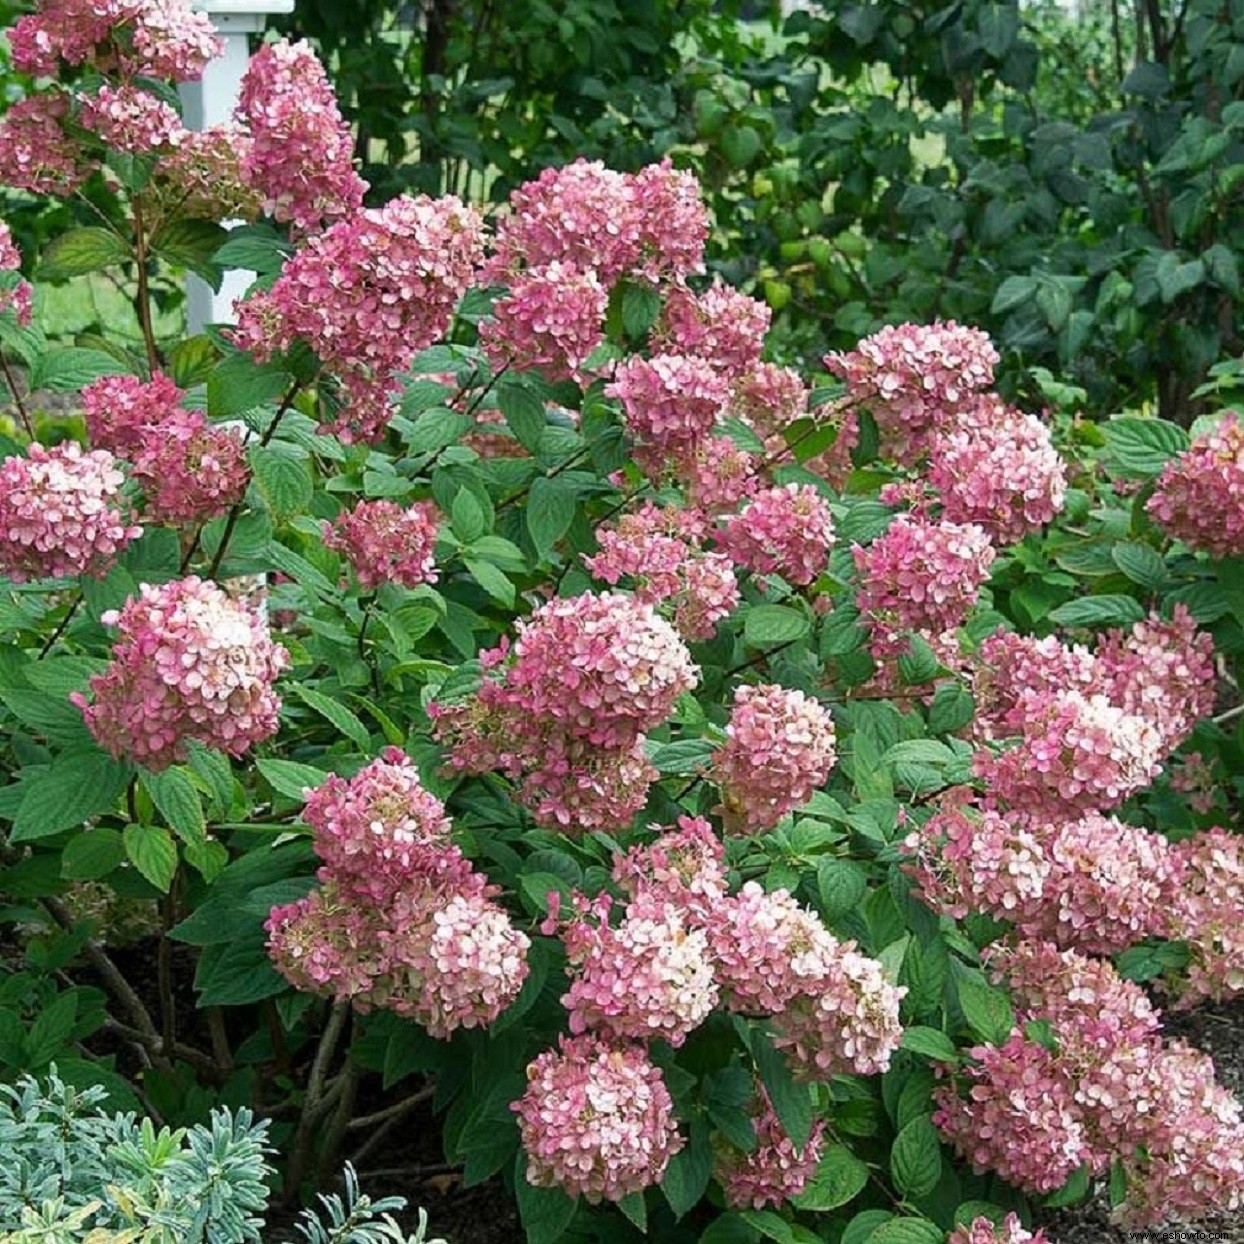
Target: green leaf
(536,888)
(492,580)
(550,511)
(251,250)
(336,714)
(987,1010)
(864,1224)
(192,244)
(740,144)
(524,413)
(640,307)
(1141,563)
(841,884)
(916,1158)
(907,1231)
(682,757)
(468,517)
(177,801)
(951,709)
(687,1177)
(238,384)
(284,479)
(237,973)
(1109,610)
(792,1102)
(435,429)
(931,1042)
(80,251)
(299,569)
(1141,447)
(191,360)
(1013,293)
(768,625)
(545,1212)
(636,1210)
(75,787)
(93,854)
(919,665)
(153,852)
(840,1177)
(69,369)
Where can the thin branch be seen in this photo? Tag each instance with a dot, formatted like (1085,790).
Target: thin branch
(395,1111)
(18,400)
(60,630)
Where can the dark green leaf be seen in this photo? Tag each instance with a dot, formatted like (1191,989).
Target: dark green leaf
(550,511)
(840,1177)
(80,251)
(177,800)
(153,852)
(1099,611)
(284,479)
(767,625)
(337,714)
(916,1158)
(76,787)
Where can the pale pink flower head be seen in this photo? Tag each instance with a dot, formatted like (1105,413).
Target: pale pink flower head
(387,544)
(302,152)
(36,154)
(673,224)
(18,296)
(367,295)
(130,119)
(997,467)
(648,977)
(190,663)
(776,1170)
(605,667)
(189,470)
(551,320)
(1199,497)
(982,1231)
(786,530)
(121,411)
(62,513)
(170,40)
(721,324)
(769,398)
(719,477)
(368,830)
(920,576)
(683,867)
(780,748)
(596,1120)
(671,403)
(915,379)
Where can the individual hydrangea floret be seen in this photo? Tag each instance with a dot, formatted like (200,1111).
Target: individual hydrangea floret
(552,319)
(367,295)
(648,977)
(1199,497)
(191,663)
(997,467)
(385,543)
(301,151)
(596,1120)
(920,576)
(62,513)
(786,530)
(189,471)
(776,1170)
(780,747)
(915,379)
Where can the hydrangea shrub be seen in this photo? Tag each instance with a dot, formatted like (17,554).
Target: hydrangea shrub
(766,805)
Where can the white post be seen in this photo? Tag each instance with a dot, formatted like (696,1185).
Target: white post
(209,102)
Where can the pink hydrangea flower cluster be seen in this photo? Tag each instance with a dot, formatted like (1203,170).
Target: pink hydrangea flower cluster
(768,398)
(997,467)
(121,410)
(19,296)
(982,1231)
(1207,912)
(385,543)
(301,150)
(1199,497)
(776,1170)
(36,154)
(780,748)
(1076,752)
(920,576)
(596,1120)
(62,513)
(402,920)
(588,677)
(915,379)
(683,867)
(130,119)
(656,551)
(671,403)
(1110,1089)
(649,224)
(720,324)
(831,1009)
(552,318)
(203,175)
(1095,884)
(719,478)
(367,295)
(134,38)
(649,976)
(1194,776)
(189,470)
(786,530)
(190,663)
